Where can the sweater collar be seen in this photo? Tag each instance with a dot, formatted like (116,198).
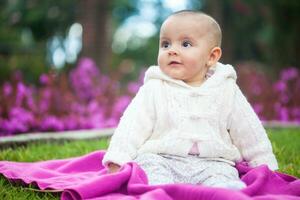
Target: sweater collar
(221,73)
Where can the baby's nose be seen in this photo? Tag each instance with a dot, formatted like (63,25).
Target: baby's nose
(172,52)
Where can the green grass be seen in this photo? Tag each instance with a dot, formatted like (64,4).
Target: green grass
(286,146)
(42,151)
(285,142)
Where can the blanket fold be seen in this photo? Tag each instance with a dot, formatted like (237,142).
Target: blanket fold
(84,177)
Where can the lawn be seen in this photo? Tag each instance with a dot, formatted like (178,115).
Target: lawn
(286,145)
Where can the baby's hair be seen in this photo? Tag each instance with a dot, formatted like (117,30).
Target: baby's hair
(214,26)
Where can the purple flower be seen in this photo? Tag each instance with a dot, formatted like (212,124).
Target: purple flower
(83,79)
(7,89)
(44,79)
(51,123)
(296,112)
(21,93)
(70,122)
(44,106)
(105,80)
(19,121)
(93,106)
(21,114)
(256,89)
(289,73)
(110,122)
(284,98)
(94,100)
(30,100)
(45,99)
(258,108)
(280,86)
(97,120)
(84,122)
(77,108)
(283,114)
(133,87)
(13,126)
(120,105)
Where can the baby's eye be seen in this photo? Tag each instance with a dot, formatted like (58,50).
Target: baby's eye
(165,44)
(186,44)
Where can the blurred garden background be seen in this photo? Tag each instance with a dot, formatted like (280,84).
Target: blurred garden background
(76,64)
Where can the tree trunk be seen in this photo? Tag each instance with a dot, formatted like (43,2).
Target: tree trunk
(217,9)
(94,15)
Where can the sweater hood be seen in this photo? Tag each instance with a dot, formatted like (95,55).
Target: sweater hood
(221,73)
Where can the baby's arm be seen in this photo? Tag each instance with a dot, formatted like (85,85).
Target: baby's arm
(134,128)
(248,134)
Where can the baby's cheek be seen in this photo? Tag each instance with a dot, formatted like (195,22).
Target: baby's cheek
(160,59)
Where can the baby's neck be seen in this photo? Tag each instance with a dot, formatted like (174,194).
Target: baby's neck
(197,83)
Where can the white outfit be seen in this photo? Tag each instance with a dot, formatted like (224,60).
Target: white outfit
(167,116)
(164,169)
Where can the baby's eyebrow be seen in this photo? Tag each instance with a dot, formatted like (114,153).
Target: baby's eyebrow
(164,38)
(187,38)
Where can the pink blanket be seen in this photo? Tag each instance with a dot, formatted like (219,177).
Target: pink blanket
(85,178)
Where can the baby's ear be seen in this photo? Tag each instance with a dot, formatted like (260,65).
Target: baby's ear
(214,57)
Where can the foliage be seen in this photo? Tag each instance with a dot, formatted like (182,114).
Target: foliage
(25,27)
(267,32)
(252,30)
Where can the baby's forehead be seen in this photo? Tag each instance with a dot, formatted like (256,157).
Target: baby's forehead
(191,21)
(192,17)
(195,22)
(184,25)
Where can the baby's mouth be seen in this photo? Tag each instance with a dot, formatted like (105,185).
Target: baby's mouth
(174,62)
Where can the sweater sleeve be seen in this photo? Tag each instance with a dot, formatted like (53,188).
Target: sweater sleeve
(248,134)
(134,128)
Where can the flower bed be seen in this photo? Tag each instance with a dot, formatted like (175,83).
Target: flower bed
(272,100)
(88,99)
(84,99)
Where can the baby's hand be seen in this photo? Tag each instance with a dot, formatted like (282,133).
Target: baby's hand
(112,167)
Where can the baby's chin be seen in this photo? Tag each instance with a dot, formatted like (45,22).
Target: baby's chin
(172,73)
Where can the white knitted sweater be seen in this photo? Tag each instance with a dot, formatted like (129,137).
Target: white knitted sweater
(168,116)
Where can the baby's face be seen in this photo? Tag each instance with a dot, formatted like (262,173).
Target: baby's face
(184,49)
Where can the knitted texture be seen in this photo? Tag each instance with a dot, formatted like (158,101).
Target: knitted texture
(168,116)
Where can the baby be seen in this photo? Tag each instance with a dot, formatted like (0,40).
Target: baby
(190,122)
